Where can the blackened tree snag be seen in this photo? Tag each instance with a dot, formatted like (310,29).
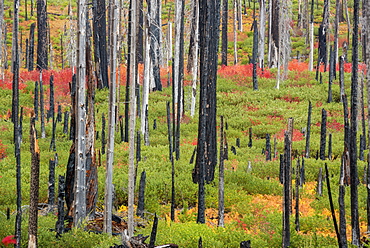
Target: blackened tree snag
(353,130)
(331,202)
(31,48)
(51,185)
(319,183)
(153,234)
(42,108)
(36,101)
(255,52)
(100,43)
(15,119)
(331,75)
(51,112)
(91,166)
(342,211)
(141,198)
(59,114)
(65,124)
(59,226)
(308,130)
(297,184)
(154,31)
(42,41)
(103,140)
(250,143)
(207,151)
(34,186)
(224,31)
(286,193)
(323,134)
(268,147)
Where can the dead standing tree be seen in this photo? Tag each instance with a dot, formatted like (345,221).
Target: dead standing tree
(132,111)
(15,119)
(206,160)
(34,194)
(80,178)
(42,41)
(100,43)
(113,12)
(367,61)
(353,130)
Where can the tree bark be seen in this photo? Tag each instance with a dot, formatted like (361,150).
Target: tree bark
(353,130)
(225,4)
(287,191)
(221,180)
(100,43)
(132,113)
(42,41)
(80,177)
(308,130)
(113,9)
(207,151)
(323,134)
(262,31)
(15,119)
(31,47)
(34,187)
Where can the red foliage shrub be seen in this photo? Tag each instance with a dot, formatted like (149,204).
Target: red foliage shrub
(240,73)
(297,135)
(2,150)
(9,240)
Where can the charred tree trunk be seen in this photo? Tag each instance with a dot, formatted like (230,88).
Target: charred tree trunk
(308,130)
(59,226)
(323,134)
(42,41)
(34,186)
(224,31)
(31,48)
(15,119)
(51,185)
(42,108)
(91,165)
(287,192)
(342,210)
(353,130)
(36,101)
(100,43)
(255,53)
(207,152)
(141,198)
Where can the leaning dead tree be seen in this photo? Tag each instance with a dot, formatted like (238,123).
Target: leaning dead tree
(206,160)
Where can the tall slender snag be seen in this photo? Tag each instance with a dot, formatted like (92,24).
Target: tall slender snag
(80,170)
(132,112)
(221,181)
(308,130)
(113,9)
(353,130)
(34,187)
(15,119)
